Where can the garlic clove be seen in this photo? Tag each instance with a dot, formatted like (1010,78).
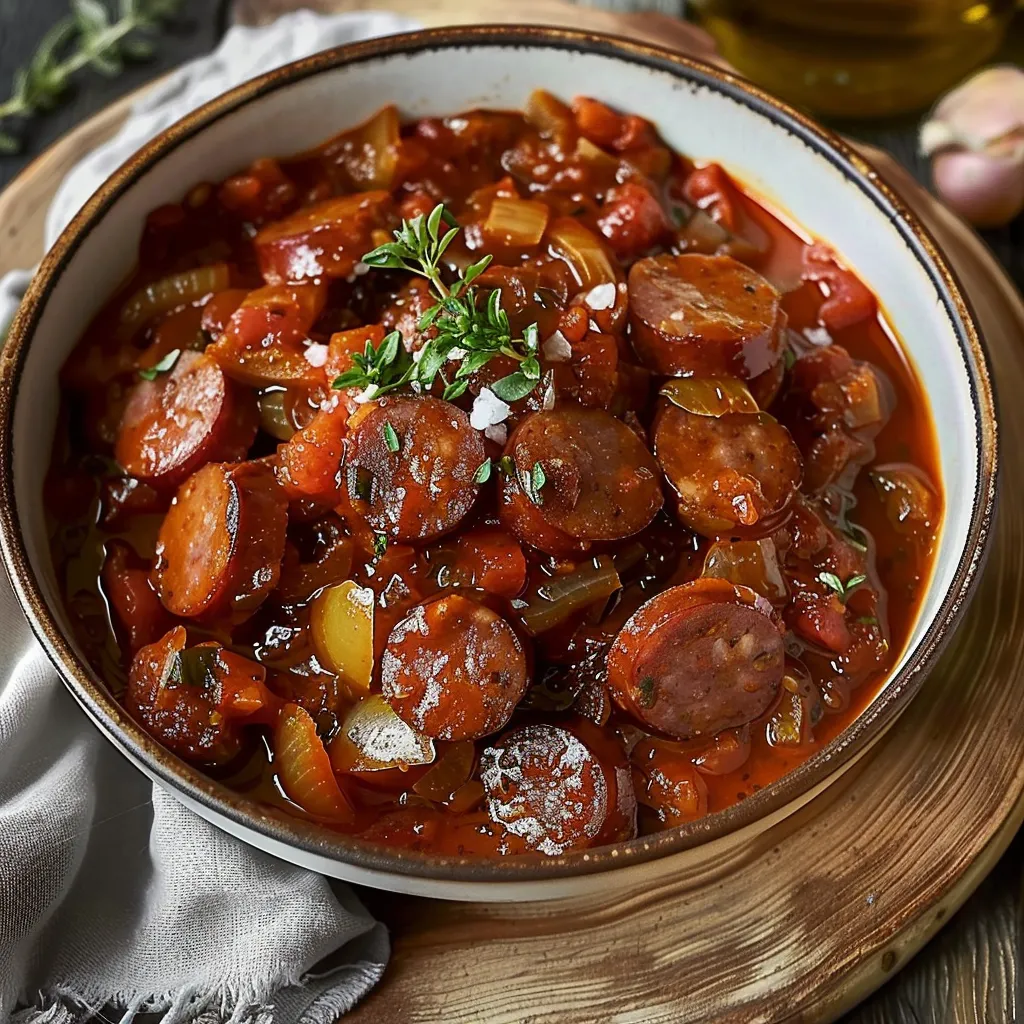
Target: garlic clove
(986,108)
(975,137)
(986,190)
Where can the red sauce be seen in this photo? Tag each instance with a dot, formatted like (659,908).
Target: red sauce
(686,557)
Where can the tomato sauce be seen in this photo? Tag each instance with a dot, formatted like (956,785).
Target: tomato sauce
(497,484)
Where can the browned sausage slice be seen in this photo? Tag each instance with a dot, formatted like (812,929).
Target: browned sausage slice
(221,543)
(547,785)
(728,472)
(706,316)
(600,483)
(697,659)
(423,489)
(453,669)
(192,415)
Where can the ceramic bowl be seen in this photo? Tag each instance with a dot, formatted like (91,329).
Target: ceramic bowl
(808,175)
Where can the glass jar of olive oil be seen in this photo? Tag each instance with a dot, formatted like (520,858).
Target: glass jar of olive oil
(855,58)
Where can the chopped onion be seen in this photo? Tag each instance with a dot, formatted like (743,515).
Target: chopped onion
(550,116)
(519,222)
(710,396)
(341,620)
(373,738)
(748,563)
(497,432)
(449,773)
(275,415)
(588,153)
(170,292)
(556,598)
(582,250)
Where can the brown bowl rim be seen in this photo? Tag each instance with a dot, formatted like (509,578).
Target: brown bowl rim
(313,839)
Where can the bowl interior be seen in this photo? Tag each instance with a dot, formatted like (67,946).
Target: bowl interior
(815,187)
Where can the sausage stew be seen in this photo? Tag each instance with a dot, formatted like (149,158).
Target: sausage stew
(495,484)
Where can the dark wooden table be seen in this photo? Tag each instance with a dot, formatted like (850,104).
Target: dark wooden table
(971,972)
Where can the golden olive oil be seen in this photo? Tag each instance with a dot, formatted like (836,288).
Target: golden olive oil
(856,58)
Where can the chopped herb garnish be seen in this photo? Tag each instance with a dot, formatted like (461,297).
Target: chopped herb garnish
(844,590)
(483,472)
(380,544)
(165,364)
(532,483)
(506,465)
(788,358)
(379,370)
(646,688)
(391,438)
(360,483)
(194,667)
(466,331)
(868,620)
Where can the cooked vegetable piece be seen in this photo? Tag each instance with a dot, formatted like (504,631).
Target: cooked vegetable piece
(709,396)
(748,563)
(555,599)
(168,293)
(304,768)
(668,782)
(373,738)
(197,700)
(266,340)
(486,558)
(135,606)
(453,669)
(516,222)
(341,621)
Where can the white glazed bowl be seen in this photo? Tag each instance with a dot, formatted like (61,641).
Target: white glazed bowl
(803,172)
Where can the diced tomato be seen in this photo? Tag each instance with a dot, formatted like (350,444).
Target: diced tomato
(488,558)
(709,189)
(219,310)
(849,302)
(631,219)
(309,465)
(137,609)
(604,127)
(264,192)
(819,619)
(266,337)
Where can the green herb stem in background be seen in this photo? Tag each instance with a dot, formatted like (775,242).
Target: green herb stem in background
(88,37)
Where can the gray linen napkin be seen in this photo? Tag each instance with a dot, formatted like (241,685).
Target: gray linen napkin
(111,892)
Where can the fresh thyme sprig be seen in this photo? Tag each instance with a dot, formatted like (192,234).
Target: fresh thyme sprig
(843,590)
(379,370)
(464,331)
(90,38)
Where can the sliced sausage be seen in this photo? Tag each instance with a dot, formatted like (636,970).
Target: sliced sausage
(196,700)
(600,483)
(697,659)
(221,543)
(453,669)
(326,239)
(727,471)
(426,487)
(184,418)
(706,316)
(548,786)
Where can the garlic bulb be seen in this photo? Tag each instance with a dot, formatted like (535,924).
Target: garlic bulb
(975,137)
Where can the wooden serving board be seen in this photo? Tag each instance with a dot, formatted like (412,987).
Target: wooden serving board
(828,904)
